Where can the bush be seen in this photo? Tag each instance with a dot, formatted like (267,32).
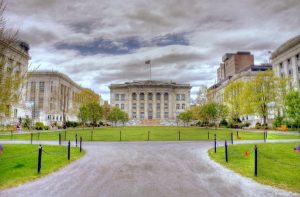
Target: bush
(278,122)
(258,125)
(39,126)
(224,123)
(26,123)
(46,127)
(246,124)
(72,124)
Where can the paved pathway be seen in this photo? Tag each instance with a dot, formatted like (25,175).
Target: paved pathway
(144,169)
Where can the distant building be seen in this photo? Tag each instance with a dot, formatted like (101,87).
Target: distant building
(234,63)
(286,61)
(15,55)
(151,102)
(51,95)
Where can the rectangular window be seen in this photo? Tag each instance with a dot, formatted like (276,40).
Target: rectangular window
(166,106)
(122,106)
(183,106)
(166,115)
(150,107)
(142,106)
(142,115)
(42,86)
(122,97)
(183,97)
(280,65)
(158,106)
(133,105)
(290,72)
(133,114)
(41,103)
(117,97)
(288,61)
(157,114)
(117,105)
(177,97)
(177,106)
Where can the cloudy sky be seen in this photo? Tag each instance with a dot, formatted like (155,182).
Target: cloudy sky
(98,43)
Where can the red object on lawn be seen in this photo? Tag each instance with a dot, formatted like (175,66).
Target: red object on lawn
(246,153)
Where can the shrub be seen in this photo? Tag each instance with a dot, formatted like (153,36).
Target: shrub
(258,125)
(39,126)
(46,127)
(278,122)
(246,124)
(26,123)
(223,123)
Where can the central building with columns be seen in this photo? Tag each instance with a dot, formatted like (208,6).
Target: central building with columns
(152,101)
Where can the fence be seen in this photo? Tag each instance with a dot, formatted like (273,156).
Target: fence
(40,151)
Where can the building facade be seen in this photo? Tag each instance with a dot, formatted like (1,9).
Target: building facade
(286,61)
(151,100)
(15,55)
(51,96)
(234,63)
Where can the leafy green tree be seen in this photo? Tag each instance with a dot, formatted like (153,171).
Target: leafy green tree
(186,117)
(233,99)
(115,115)
(292,104)
(83,114)
(95,112)
(213,112)
(260,93)
(124,117)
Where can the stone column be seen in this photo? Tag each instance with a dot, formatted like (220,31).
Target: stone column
(138,105)
(154,105)
(146,105)
(128,99)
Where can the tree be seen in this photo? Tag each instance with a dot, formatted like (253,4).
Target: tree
(260,93)
(106,111)
(234,99)
(124,117)
(212,112)
(116,114)
(95,112)
(83,114)
(292,104)
(186,117)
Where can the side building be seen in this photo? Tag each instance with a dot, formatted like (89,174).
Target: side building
(151,102)
(286,61)
(51,96)
(14,56)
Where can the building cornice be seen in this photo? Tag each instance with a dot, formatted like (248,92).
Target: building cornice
(286,46)
(150,83)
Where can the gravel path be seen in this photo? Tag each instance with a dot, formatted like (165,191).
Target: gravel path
(144,169)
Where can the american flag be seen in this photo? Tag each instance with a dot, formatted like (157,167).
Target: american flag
(148,62)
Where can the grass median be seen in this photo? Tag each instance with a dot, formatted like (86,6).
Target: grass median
(138,133)
(278,163)
(18,163)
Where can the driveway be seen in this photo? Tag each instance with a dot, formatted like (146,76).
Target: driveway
(144,169)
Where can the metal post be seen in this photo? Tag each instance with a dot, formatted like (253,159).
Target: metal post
(69,147)
(120,135)
(148,135)
(237,134)
(179,135)
(31,137)
(80,144)
(255,160)
(215,142)
(226,153)
(91,135)
(208,135)
(59,138)
(231,137)
(264,136)
(76,139)
(39,158)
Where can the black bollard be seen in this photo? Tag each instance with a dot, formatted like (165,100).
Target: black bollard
(208,135)
(179,135)
(39,158)
(80,144)
(59,138)
(76,139)
(120,135)
(69,148)
(231,137)
(31,138)
(226,153)
(215,142)
(148,135)
(255,160)
(264,136)
(237,134)
(91,135)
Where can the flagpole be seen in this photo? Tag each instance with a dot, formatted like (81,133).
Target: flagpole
(150,71)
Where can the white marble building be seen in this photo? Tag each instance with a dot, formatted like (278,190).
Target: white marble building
(286,61)
(151,101)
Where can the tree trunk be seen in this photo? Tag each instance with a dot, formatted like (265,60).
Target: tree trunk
(265,120)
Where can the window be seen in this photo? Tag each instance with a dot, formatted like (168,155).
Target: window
(166,106)
(177,106)
(177,97)
(158,106)
(122,106)
(150,107)
(158,96)
(15,113)
(122,97)
(32,86)
(134,96)
(117,105)
(297,57)
(142,96)
(150,96)
(166,114)
(41,103)
(142,106)
(133,105)
(133,114)
(142,115)
(290,72)
(183,106)
(42,86)
(280,65)
(166,97)
(117,98)
(288,61)
(49,117)
(183,97)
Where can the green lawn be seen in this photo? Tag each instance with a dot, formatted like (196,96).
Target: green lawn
(18,163)
(278,163)
(139,133)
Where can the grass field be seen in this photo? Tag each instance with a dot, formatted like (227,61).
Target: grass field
(141,134)
(278,163)
(18,163)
